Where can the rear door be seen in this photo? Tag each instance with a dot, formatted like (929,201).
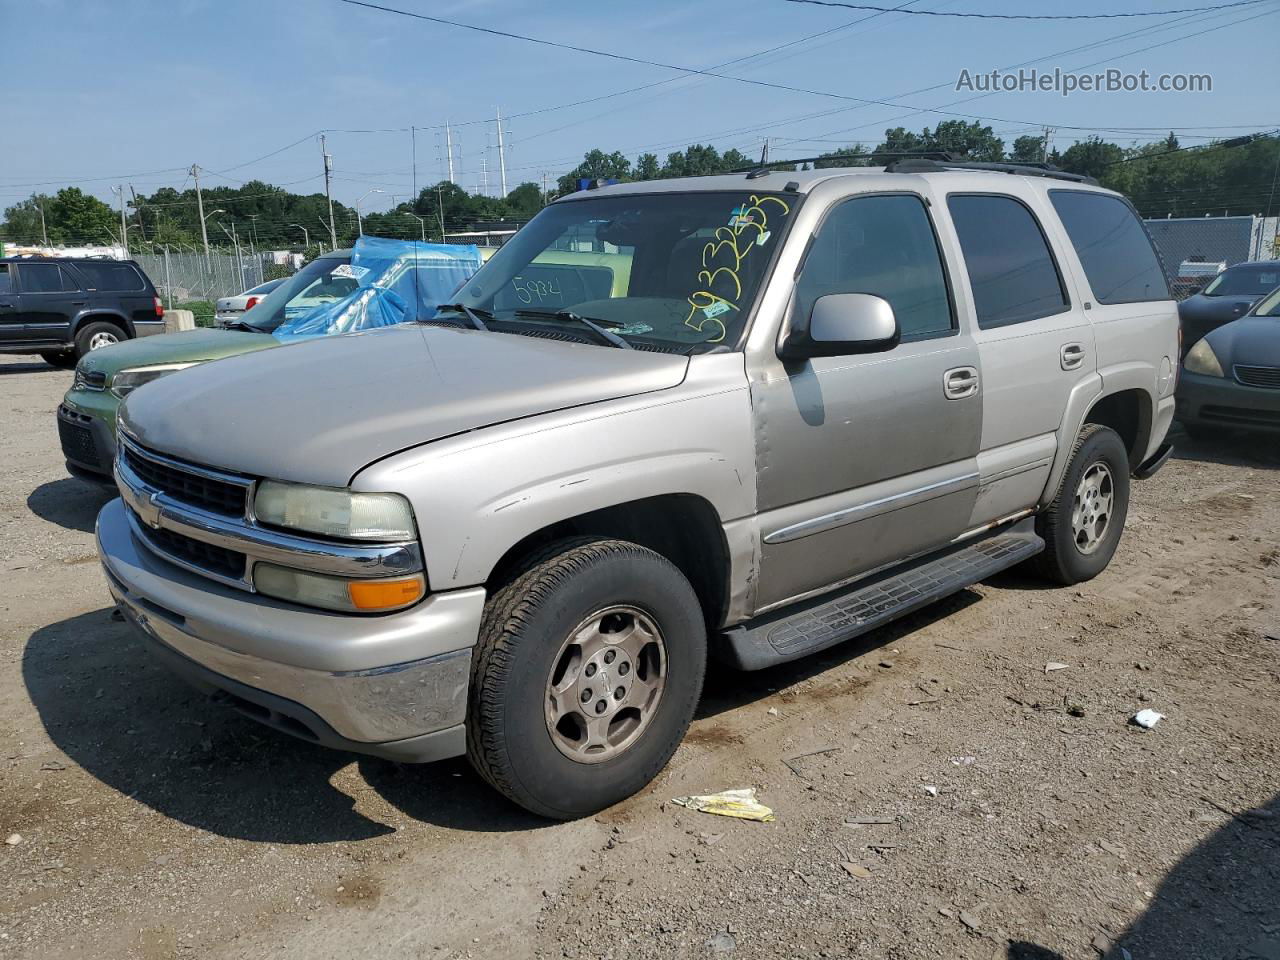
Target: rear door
(120,285)
(867,460)
(1035,341)
(49,297)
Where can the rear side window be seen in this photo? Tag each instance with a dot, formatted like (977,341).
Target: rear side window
(1011,270)
(111,276)
(45,278)
(1114,249)
(882,245)
(6,281)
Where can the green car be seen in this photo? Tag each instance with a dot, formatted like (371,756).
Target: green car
(87,414)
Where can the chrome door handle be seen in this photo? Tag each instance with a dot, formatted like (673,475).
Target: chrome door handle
(1072,355)
(960,382)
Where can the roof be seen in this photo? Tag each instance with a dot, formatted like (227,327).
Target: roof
(803,181)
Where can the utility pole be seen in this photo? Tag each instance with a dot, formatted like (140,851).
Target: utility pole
(764,152)
(544,188)
(235,240)
(328,169)
(448,148)
(44,230)
(124,225)
(253,227)
(204,229)
(137,209)
(484,175)
(1044,147)
(440,210)
(502,154)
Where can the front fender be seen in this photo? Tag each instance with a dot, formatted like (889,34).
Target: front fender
(477,495)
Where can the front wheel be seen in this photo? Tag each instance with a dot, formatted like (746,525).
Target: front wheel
(96,335)
(62,359)
(1083,524)
(585,677)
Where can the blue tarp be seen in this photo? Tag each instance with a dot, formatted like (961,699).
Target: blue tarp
(398,280)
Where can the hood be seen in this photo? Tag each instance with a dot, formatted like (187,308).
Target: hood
(324,409)
(1252,341)
(188,346)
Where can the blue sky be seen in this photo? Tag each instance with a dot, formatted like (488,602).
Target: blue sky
(136,91)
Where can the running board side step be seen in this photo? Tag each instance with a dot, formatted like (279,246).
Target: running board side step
(817,624)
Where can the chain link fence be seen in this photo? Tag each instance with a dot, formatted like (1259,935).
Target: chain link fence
(184,276)
(1197,249)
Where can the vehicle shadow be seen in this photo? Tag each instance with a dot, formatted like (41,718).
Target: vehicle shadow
(727,689)
(1231,448)
(1219,901)
(122,717)
(37,367)
(70,503)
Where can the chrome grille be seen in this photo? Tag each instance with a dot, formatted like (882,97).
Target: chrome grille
(190,485)
(1266,377)
(91,380)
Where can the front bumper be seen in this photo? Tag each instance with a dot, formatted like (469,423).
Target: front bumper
(1222,402)
(393,686)
(87,431)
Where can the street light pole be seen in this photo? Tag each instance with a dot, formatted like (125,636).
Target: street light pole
(359,218)
(306,237)
(423,223)
(44,230)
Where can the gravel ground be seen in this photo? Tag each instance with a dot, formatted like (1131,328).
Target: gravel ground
(1023,815)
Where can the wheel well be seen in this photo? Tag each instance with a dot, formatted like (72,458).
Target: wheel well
(119,322)
(1128,413)
(681,527)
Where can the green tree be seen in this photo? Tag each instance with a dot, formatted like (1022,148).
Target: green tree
(841,157)
(1091,157)
(22,220)
(647,167)
(1028,149)
(596,165)
(76,217)
(524,201)
(972,141)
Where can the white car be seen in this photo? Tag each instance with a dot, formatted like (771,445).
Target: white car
(229,309)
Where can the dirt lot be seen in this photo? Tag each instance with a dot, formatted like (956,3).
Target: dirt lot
(1025,817)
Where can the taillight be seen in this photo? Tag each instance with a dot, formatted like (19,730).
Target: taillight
(159,307)
(248,304)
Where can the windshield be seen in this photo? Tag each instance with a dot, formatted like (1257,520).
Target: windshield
(677,270)
(321,281)
(1243,282)
(1270,307)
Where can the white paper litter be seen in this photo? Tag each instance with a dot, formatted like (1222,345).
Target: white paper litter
(1147,718)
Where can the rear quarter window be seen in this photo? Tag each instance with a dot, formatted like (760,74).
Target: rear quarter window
(1114,249)
(112,277)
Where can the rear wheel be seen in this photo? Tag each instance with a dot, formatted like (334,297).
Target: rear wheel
(96,335)
(586,675)
(1083,524)
(62,359)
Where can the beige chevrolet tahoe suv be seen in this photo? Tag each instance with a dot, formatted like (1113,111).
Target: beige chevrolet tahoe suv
(730,420)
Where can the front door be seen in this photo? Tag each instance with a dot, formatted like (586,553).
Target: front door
(49,297)
(10,319)
(867,460)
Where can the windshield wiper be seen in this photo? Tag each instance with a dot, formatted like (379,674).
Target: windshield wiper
(591,323)
(474,314)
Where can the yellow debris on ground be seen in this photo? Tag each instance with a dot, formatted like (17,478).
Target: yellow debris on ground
(740,803)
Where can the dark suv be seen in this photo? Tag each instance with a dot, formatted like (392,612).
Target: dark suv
(63,308)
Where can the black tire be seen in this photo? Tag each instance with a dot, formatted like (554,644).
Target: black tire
(1062,560)
(62,359)
(525,624)
(86,334)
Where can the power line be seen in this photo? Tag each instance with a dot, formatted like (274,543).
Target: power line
(1027,16)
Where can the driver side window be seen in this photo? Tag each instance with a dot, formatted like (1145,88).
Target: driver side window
(882,245)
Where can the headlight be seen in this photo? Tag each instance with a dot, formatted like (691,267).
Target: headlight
(1201,359)
(127,381)
(335,511)
(336,593)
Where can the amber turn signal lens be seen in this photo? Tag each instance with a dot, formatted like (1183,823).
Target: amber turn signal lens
(384,594)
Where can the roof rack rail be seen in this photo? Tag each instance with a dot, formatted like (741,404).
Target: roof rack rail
(867,159)
(926,165)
